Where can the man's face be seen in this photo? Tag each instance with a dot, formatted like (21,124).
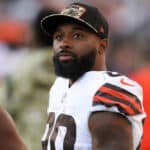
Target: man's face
(74,51)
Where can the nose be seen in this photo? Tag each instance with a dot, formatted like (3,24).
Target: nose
(65,43)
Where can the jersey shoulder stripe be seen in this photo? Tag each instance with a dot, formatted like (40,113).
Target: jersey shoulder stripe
(112,95)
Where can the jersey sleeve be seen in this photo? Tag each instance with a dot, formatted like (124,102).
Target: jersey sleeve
(121,95)
(124,96)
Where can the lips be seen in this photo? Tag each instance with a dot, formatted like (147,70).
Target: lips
(65,56)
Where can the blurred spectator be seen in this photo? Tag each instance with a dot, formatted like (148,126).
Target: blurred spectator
(14,36)
(41,39)
(13,32)
(24,91)
(25,68)
(142,75)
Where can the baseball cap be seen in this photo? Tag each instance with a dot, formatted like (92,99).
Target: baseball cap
(79,13)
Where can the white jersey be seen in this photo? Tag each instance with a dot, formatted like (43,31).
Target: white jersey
(70,107)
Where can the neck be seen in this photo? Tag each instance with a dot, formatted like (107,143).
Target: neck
(100,68)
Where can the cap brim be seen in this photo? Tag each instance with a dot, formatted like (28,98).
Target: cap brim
(50,23)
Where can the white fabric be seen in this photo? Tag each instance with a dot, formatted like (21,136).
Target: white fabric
(76,101)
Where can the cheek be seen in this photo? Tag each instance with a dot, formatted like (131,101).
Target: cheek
(84,49)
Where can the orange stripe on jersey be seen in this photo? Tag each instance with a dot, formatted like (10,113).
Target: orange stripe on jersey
(120,95)
(112,95)
(125,107)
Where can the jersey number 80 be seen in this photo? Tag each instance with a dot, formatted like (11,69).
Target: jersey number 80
(53,126)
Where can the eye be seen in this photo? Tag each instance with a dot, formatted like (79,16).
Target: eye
(58,36)
(77,35)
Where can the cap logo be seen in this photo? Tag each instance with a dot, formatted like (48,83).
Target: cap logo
(101,29)
(74,11)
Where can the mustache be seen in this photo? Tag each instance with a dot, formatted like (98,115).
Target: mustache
(65,52)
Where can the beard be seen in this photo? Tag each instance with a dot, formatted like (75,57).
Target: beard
(75,67)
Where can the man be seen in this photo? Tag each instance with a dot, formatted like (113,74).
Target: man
(9,137)
(90,108)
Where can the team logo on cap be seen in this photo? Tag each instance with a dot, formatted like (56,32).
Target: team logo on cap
(74,11)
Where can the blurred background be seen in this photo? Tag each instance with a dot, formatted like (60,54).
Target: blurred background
(26,72)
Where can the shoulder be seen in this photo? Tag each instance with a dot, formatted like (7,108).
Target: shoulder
(121,93)
(100,78)
(116,108)
(118,82)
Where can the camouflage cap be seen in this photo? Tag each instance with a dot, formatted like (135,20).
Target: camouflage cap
(80,13)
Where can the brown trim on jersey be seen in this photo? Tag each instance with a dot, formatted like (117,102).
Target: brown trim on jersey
(111,95)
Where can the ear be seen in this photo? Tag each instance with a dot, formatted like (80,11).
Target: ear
(102,45)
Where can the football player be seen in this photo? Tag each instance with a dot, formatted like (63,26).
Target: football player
(89,107)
